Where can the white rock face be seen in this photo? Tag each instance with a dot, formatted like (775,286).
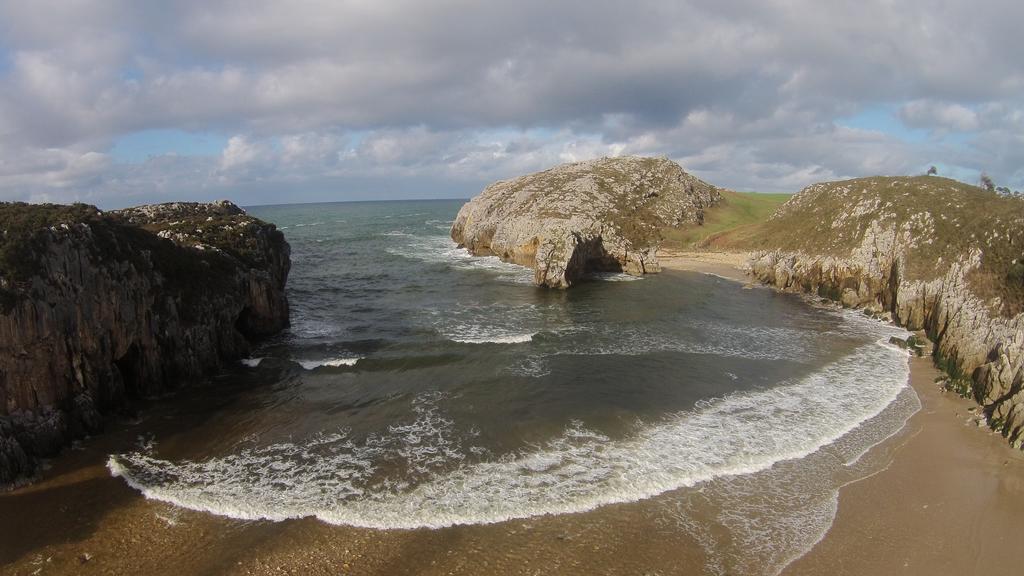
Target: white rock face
(596,215)
(982,350)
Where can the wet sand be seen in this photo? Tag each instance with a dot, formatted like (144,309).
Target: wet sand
(79,520)
(951,500)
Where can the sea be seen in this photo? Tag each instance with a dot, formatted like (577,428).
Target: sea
(422,388)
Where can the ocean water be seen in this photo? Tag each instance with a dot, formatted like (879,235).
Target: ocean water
(420,387)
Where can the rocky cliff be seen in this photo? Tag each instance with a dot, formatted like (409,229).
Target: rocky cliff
(587,216)
(99,308)
(935,254)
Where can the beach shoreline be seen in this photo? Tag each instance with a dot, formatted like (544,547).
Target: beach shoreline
(946,499)
(950,500)
(729,265)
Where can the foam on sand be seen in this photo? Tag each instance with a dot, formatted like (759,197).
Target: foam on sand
(343,482)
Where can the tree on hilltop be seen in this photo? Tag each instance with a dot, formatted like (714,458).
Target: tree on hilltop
(987,183)
(933,171)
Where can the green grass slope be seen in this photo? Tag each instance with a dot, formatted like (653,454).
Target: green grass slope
(738,213)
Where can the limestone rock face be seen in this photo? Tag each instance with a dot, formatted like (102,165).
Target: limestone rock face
(99,308)
(586,216)
(897,262)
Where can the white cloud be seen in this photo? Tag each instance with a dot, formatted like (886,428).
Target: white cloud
(939,116)
(238,153)
(743,92)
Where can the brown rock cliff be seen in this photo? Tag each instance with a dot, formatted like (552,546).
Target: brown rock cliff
(99,308)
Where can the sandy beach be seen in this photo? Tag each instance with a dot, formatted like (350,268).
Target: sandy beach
(730,265)
(951,500)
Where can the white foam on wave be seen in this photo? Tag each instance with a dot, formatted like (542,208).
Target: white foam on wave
(613,277)
(497,339)
(445,225)
(443,250)
(777,515)
(581,469)
(329,362)
(487,324)
(251,362)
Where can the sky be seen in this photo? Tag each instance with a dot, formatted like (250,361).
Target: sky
(118,103)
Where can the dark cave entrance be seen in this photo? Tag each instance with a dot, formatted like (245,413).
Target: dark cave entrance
(130,368)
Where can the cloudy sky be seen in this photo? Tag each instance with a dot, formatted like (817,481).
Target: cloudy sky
(117,103)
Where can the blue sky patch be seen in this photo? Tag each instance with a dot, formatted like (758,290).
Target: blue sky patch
(139,146)
(883,118)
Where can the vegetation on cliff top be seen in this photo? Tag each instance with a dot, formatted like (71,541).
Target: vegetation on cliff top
(942,220)
(736,213)
(21,241)
(27,229)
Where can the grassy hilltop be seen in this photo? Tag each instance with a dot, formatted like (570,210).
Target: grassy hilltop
(737,213)
(943,221)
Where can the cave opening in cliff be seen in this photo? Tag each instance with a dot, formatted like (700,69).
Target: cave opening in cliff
(591,256)
(244,322)
(129,368)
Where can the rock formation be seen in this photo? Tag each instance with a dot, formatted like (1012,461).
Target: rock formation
(937,255)
(587,216)
(99,308)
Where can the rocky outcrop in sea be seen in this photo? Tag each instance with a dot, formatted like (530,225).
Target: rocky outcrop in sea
(97,309)
(599,215)
(933,254)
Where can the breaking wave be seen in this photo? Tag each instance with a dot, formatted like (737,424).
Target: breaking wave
(496,339)
(328,362)
(427,474)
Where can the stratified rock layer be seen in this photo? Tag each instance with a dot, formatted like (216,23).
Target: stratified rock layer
(587,216)
(937,255)
(99,308)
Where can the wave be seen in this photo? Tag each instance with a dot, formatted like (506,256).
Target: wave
(620,340)
(720,339)
(306,326)
(771,518)
(497,339)
(613,277)
(496,323)
(251,362)
(445,225)
(341,481)
(327,362)
(443,250)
